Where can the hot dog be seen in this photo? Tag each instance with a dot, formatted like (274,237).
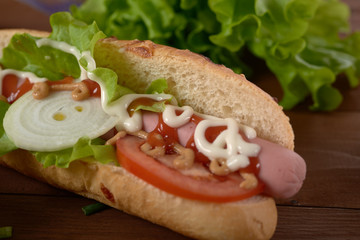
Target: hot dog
(283,170)
(145,183)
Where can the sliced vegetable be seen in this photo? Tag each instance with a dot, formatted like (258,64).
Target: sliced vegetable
(56,122)
(94,208)
(210,189)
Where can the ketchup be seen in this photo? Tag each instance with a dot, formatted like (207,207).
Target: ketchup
(144,101)
(14,87)
(170,136)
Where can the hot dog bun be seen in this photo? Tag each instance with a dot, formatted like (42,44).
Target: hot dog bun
(195,81)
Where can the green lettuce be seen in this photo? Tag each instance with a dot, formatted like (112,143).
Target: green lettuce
(305,51)
(23,54)
(305,43)
(157,86)
(76,33)
(110,80)
(6,145)
(85,149)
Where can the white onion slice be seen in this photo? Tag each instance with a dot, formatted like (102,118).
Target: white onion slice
(56,122)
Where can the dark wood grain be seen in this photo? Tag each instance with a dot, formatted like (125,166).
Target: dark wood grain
(53,217)
(317,223)
(327,207)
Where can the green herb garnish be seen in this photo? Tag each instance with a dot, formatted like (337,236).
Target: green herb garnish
(94,208)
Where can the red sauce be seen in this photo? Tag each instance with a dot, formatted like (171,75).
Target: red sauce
(14,87)
(94,88)
(140,101)
(170,136)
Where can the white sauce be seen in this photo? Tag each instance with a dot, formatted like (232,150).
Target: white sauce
(119,108)
(172,120)
(229,144)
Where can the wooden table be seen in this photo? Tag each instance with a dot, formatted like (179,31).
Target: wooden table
(328,206)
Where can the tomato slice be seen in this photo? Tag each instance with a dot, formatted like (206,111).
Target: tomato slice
(172,181)
(14,87)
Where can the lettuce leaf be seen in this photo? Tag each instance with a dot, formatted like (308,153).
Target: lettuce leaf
(74,32)
(23,54)
(305,43)
(85,149)
(112,89)
(157,86)
(306,53)
(6,145)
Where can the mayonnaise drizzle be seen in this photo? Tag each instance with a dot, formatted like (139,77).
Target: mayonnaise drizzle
(229,144)
(172,120)
(119,108)
(31,76)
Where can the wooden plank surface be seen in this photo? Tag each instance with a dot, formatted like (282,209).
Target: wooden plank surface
(328,206)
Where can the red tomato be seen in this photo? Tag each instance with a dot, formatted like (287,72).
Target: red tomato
(172,181)
(14,87)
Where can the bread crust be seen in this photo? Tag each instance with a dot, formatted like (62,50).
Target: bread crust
(253,218)
(196,81)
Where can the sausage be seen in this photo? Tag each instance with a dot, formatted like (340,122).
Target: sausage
(282,170)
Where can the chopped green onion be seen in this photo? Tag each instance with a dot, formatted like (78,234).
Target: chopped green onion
(5,232)
(93,208)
